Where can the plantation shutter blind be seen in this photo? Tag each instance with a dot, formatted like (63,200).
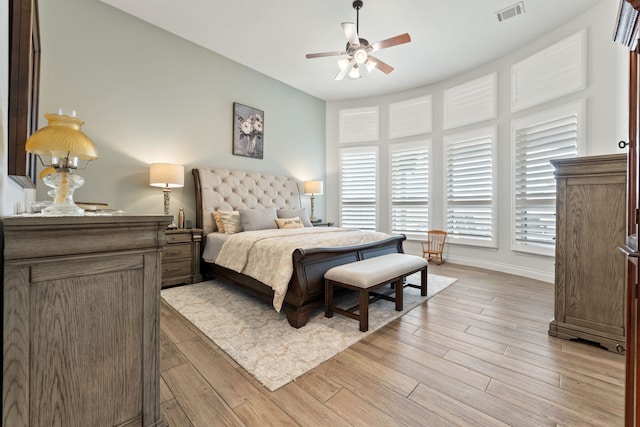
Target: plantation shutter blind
(471,102)
(553,72)
(535,186)
(358,187)
(470,187)
(358,124)
(410,117)
(410,189)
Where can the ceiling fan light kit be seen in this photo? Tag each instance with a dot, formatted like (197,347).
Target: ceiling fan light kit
(358,50)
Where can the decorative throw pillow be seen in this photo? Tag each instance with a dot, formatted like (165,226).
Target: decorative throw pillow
(294,222)
(218,220)
(292,213)
(258,219)
(231,221)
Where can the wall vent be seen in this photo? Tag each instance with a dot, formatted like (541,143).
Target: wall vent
(510,12)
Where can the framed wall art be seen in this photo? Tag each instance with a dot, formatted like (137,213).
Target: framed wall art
(248,131)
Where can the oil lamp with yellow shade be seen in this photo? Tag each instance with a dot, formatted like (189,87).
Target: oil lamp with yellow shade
(62,148)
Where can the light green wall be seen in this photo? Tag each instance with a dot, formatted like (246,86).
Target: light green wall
(148,96)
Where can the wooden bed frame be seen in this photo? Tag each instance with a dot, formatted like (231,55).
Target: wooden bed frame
(306,287)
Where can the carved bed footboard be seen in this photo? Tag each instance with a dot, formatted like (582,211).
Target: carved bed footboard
(306,288)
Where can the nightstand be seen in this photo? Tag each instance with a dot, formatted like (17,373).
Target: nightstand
(322,224)
(181,257)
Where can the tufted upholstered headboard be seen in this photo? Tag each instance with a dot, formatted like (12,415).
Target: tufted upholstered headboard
(227,189)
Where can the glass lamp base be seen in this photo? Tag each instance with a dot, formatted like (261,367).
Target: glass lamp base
(63,209)
(64,183)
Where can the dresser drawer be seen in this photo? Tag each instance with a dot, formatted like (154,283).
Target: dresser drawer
(176,252)
(176,268)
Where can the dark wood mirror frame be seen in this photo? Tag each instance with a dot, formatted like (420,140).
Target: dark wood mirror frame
(24,77)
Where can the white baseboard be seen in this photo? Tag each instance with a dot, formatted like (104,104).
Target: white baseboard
(543,276)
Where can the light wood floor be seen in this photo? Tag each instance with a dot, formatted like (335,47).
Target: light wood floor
(477,354)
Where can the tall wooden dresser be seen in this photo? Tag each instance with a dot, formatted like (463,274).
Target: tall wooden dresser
(81,327)
(590,269)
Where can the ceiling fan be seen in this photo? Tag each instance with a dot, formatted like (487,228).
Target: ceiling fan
(359,50)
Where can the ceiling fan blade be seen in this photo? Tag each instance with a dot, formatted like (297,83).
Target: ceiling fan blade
(393,41)
(343,72)
(321,54)
(351,32)
(382,66)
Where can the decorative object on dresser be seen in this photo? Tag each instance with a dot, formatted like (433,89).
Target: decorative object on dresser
(313,188)
(590,270)
(167,176)
(319,223)
(81,327)
(60,146)
(181,257)
(248,131)
(219,190)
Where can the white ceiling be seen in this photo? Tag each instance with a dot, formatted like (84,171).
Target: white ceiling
(273,36)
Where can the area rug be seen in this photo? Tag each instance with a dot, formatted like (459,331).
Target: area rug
(261,340)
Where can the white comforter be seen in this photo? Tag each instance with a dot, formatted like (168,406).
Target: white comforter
(265,255)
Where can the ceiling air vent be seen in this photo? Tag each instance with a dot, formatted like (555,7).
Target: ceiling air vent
(510,12)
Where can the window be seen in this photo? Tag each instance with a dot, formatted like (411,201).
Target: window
(550,73)
(470,102)
(410,189)
(359,124)
(539,138)
(470,187)
(358,187)
(410,117)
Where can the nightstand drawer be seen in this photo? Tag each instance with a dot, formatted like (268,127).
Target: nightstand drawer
(178,238)
(181,257)
(177,268)
(177,251)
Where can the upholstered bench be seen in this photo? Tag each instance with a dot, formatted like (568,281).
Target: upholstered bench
(370,274)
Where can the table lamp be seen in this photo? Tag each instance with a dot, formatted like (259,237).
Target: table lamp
(167,176)
(60,146)
(313,188)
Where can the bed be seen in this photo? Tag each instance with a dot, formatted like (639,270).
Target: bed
(233,190)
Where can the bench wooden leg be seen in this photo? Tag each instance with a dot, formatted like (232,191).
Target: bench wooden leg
(328,299)
(364,311)
(423,282)
(399,294)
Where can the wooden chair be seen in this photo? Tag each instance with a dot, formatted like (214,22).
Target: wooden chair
(434,245)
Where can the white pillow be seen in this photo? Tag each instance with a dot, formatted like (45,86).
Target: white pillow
(294,222)
(231,221)
(292,213)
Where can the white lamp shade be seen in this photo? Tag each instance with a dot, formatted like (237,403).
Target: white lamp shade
(166,175)
(313,187)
